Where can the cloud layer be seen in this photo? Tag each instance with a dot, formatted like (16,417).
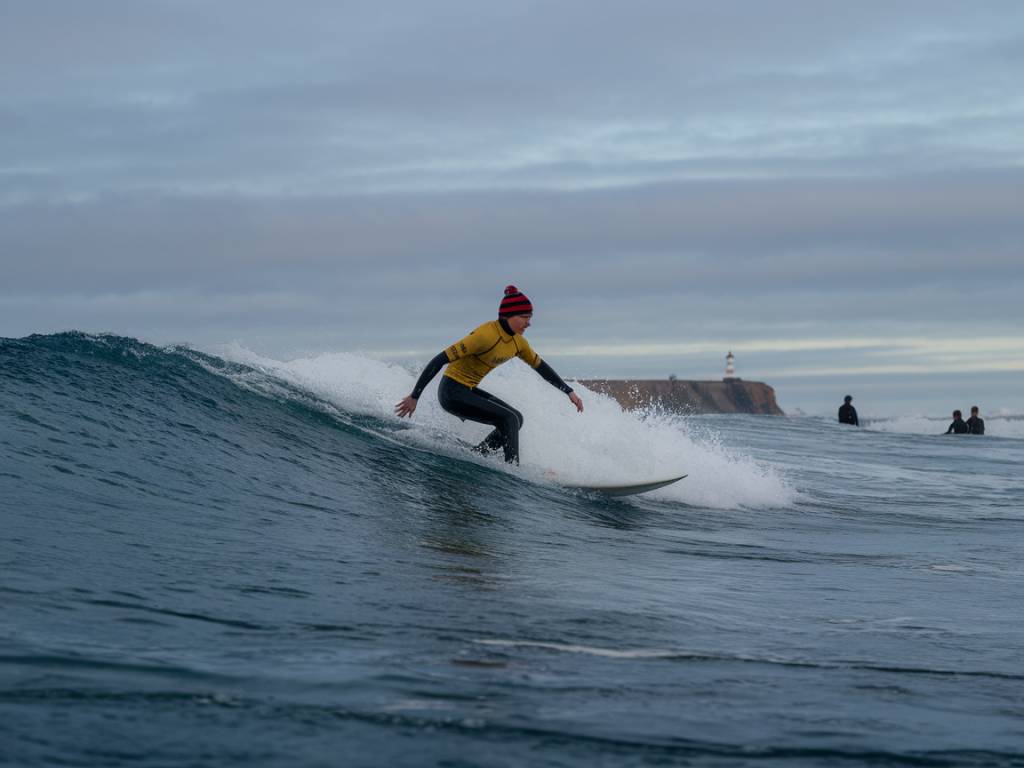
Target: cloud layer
(653,174)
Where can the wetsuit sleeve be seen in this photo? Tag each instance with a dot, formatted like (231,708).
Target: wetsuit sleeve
(950,429)
(436,364)
(549,375)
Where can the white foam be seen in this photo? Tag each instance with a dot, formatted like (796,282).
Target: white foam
(995,426)
(603,445)
(951,568)
(589,650)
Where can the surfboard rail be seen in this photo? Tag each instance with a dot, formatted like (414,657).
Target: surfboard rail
(626,489)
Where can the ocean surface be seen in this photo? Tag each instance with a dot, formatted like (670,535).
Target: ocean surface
(220,559)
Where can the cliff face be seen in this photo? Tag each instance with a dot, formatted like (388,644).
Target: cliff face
(733,396)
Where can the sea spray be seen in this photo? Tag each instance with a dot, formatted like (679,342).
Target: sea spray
(604,445)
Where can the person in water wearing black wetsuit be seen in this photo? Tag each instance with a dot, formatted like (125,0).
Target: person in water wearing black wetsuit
(472,358)
(847,413)
(976,424)
(959,426)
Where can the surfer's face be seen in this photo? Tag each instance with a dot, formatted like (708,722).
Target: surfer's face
(519,323)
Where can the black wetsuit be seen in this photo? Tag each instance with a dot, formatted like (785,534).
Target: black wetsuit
(477,405)
(848,415)
(976,424)
(959,427)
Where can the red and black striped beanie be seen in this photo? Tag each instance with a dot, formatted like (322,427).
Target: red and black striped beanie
(514,303)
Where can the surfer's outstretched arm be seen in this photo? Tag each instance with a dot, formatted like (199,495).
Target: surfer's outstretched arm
(549,375)
(407,405)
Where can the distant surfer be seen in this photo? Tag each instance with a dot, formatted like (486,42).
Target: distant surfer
(976,424)
(959,426)
(472,358)
(847,413)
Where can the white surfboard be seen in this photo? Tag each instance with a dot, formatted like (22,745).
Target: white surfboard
(626,490)
(620,489)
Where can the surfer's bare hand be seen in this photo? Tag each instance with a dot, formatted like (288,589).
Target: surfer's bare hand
(576,401)
(405,406)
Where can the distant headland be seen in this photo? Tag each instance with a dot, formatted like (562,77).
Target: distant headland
(728,395)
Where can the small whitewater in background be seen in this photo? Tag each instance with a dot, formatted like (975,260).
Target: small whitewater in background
(215,558)
(999,425)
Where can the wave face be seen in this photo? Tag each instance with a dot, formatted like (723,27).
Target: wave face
(215,558)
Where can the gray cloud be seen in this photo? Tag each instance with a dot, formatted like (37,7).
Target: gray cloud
(822,250)
(340,98)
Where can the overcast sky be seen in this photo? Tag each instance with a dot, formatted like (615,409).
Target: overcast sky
(833,190)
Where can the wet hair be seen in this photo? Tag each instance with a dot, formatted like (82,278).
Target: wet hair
(974,409)
(957,414)
(848,398)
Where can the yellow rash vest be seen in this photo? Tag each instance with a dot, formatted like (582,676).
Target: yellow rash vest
(483,350)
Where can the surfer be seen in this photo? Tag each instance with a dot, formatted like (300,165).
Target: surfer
(472,358)
(847,413)
(976,424)
(959,426)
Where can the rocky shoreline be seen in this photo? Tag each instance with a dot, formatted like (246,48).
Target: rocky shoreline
(687,396)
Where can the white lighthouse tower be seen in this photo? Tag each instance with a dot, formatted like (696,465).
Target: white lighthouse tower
(730,371)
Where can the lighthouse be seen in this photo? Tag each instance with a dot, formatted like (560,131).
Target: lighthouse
(730,371)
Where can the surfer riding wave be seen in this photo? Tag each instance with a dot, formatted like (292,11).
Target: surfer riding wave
(470,359)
